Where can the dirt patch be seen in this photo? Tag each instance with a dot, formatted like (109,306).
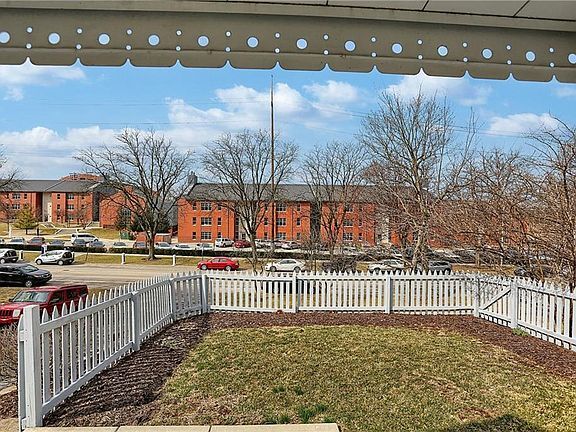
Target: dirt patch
(9,405)
(124,394)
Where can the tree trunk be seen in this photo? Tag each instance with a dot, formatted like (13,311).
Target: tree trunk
(255,251)
(151,237)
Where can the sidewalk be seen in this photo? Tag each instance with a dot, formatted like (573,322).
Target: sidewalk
(320,427)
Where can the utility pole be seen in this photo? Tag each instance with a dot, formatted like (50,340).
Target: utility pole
(272,156)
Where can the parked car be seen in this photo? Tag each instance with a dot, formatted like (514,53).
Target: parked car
(79,242)
(182,246)
(119,245)
(163,246)
(242,244)
(59,257)
(223,242)
(23,274)
(48,298)
(204,247)
(289,245)
(97,244)
(263,244)
(288,264)
(56,243)
(8,256)
(219,263)
(139,245)
(87,237)
(17,240)
(386,265)
(342,263)
(37,241)
(437,266)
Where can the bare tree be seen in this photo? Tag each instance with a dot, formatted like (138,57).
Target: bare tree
(335,175)
(146,172)
(418,163)
(240,165)
(554,222)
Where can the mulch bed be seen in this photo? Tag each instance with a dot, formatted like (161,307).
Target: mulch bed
(124,394)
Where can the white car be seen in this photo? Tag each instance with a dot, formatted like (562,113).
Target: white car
(163,246)
(386,265)
(59,257)
(289,245)
(204,246)
(223,242)
(288,264)
(182,246)
(8,256)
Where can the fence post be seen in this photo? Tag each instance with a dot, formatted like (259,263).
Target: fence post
(172,298)
(388,295)
(32,366)
(205,293)
(123,258)
(295,293)
(513,304)
(136,320)
(476,295)
(173,260)
(21,255)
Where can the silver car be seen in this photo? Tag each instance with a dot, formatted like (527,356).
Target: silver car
(386,265)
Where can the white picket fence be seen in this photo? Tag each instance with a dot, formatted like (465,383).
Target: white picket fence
(60,353)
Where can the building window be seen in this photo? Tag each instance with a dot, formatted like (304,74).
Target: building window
(15,206)
(298,222)
(348,223)
(15,196)
(280,222)
(69,196)
(360,236)
(83,197)
(360,222)
(281,207)
(205,235)
(219,235)
(298,236)
(57,196)
(281,236)
(298,207)
(194,205)
(348,208)
(265,221)
(57,206)
(194,221)
(25,196)
(206,206)
(125,212)
(70,207)
(194,235)
(219,221)
(206,221)
(219,206)
(347,237)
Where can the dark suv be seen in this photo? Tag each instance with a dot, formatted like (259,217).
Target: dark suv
(23,274)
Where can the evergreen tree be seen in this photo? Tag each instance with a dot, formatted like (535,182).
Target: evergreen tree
(26,219)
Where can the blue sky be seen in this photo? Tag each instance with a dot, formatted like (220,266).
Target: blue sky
(48,113)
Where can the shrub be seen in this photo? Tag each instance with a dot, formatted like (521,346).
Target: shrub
(8,354)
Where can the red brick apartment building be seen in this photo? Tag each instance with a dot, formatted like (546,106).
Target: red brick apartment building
(203,218)
(74,198)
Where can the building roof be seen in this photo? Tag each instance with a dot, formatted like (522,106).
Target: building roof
(284,192)
(58,186)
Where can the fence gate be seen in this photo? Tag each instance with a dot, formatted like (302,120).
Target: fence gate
(497,300)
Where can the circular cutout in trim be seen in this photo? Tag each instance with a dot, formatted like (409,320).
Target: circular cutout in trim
(29,29)
(54,38)
(203,41)
(153,40)
(487,53)
(442,50)
(572,58)
(397,48)
(302,43)
(103,39)
(4,37)
(252,42)
(530,56)
(350,46)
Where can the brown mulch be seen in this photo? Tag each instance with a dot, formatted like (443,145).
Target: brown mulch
(9,405)
(123,394)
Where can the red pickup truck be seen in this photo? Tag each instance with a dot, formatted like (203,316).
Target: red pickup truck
(49,298)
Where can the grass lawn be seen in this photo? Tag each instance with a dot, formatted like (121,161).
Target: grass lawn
(365,379)
(7,293)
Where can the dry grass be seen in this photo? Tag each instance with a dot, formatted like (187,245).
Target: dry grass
(8,355)
(365,379)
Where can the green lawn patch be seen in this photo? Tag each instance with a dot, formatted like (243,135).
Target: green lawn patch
(365,379)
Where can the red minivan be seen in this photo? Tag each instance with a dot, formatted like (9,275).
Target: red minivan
(49,298)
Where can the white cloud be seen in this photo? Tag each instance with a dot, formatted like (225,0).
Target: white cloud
(334,92)
(517,124)
(13,78)
(462,90)
(564,91)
